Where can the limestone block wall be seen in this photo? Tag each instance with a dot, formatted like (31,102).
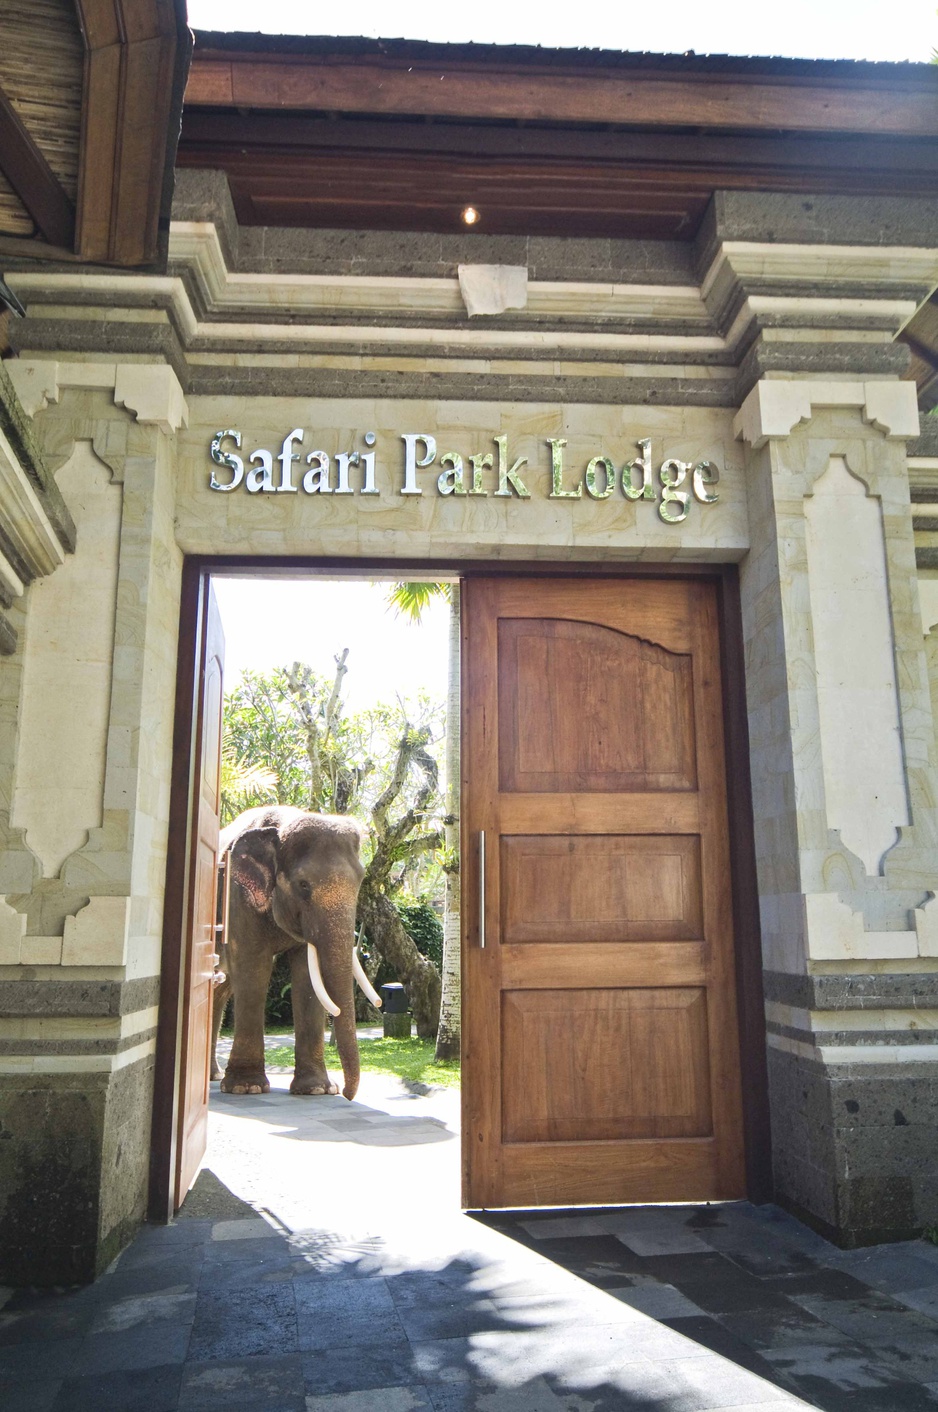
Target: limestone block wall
(843,757)
(84,785)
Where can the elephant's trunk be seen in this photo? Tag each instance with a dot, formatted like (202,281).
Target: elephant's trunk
(338,990)
(343,1027)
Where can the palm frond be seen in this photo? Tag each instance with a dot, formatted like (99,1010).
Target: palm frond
(410,599)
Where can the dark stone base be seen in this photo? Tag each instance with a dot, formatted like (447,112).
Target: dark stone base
(855,1146)
(73,1172)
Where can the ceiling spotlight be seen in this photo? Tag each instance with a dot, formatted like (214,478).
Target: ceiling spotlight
(470,216)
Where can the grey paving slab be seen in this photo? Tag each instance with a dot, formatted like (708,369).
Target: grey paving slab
(32,1320)
(21,1362)
(890,1267)
(336,1314)
(663,1242)
(259,1319)
(176,1272)
(386,1399)
(274,1383)
(359,1367)
(148,1309)
(29,1397)
(924,1300)
(659,1301)
(119,1390)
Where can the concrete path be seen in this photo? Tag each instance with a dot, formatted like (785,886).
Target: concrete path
(321,1264)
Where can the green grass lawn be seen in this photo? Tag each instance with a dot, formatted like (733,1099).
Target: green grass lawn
(407,1058)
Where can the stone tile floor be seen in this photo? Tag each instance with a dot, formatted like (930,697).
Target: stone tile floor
(320,1265)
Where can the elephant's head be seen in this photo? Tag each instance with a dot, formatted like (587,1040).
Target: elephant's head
(306,874)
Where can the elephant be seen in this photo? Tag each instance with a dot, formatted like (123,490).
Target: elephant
(293,880)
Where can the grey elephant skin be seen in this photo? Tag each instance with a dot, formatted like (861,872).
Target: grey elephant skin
(293,880)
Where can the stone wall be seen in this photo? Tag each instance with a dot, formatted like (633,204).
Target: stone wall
(773,359)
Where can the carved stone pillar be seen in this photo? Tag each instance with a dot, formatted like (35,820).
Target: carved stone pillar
(86,798)
(844,783)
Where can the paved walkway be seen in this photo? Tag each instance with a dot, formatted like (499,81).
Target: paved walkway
(320,1265)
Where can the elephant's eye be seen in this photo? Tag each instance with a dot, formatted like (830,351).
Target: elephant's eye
(304,889)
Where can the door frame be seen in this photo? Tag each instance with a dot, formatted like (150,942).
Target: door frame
(197,569)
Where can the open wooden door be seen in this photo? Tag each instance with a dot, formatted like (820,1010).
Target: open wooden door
(599,1019)
(192,1114)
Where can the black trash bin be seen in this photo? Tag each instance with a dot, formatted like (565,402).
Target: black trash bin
(395,1015)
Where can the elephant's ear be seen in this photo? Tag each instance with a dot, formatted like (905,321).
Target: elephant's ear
(254,866)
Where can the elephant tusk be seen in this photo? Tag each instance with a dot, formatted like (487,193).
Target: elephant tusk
(315,975)
(360,974)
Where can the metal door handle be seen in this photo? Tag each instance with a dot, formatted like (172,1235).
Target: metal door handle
(482,889)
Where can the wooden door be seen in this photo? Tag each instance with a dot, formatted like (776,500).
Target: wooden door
(599,1022)
(201,902)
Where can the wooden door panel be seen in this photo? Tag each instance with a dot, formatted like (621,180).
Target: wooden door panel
(600,1036)
(586,708)
(604,1064)
(599,887)
(600,813)
(201,903)
(594,963)
(614,1173)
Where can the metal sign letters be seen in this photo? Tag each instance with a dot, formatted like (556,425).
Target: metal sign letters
(674,487)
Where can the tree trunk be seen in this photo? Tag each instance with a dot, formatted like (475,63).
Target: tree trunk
(447,1039)
(387,936)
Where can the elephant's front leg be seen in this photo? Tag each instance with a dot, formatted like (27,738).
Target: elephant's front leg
(310,1075)
(250,976)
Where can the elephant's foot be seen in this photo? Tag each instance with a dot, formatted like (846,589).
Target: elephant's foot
(244,1081)
(313,1083)
(215,1074)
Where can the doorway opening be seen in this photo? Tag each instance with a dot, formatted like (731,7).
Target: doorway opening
(611,974)
(324,763)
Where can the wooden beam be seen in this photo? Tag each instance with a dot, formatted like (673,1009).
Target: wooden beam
(33,180)
(206,128)
(466,89)
(135,56)
(640,197)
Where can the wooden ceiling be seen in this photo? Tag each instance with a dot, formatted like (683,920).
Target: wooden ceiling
(402,135)
(89,177)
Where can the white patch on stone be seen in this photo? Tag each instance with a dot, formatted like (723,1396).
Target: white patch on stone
(858,709)
(491,289)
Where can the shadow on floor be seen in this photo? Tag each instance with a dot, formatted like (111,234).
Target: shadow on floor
(221,1310)
(642,1309)
(849,1331)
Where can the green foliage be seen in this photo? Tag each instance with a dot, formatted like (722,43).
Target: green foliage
(264,728)
(266,734)
(931,1232)
(426,932)
(278,1010)
(410,1059)
(424,927)
(243,785)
